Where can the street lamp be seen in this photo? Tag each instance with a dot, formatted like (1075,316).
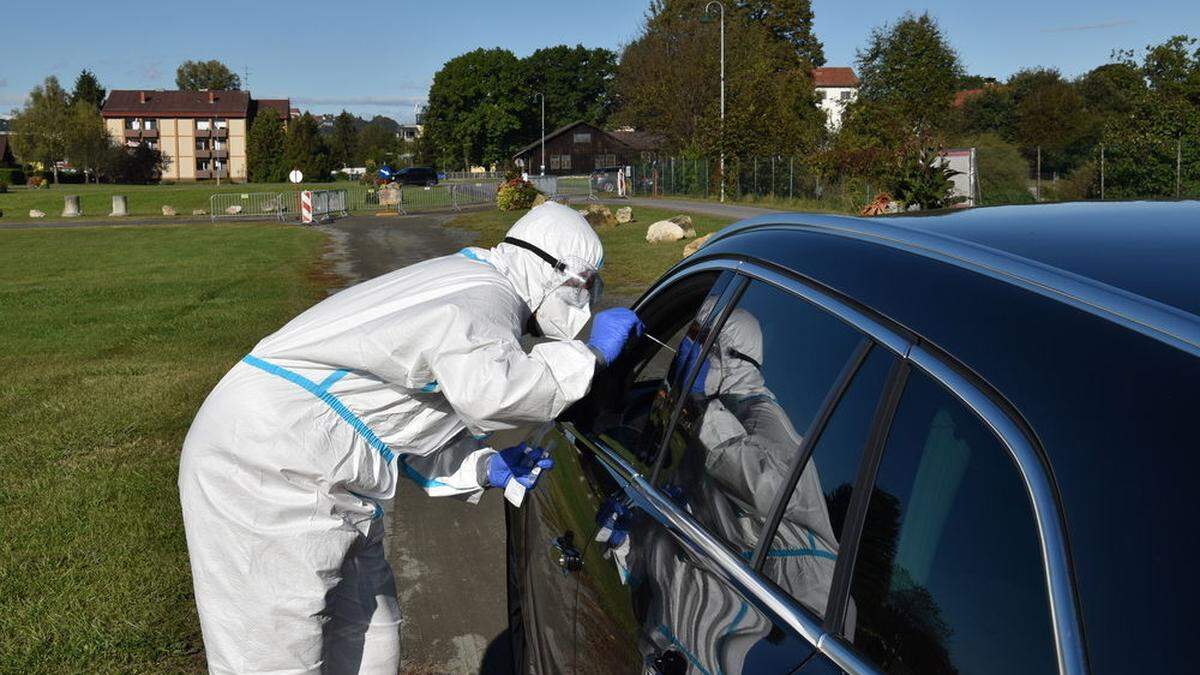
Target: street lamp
(542,96)
(708,10)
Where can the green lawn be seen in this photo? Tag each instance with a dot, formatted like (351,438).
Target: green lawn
(145,200)
(109,340)
(630,263)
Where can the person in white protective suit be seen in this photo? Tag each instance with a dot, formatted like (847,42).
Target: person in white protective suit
(402,376)
(734,469)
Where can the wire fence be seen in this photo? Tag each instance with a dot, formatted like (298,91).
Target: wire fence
(752,178)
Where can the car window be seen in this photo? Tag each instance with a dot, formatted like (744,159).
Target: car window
(948,576)
(806,544)
(756,390)
(631,400)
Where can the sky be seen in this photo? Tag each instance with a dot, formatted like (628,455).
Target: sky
(376,58)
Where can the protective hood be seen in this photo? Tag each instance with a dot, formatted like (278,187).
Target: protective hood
(736,359)
(559,231)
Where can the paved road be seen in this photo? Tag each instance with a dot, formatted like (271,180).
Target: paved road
(448,556)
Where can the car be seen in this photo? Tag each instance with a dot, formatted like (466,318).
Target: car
(959,442)
(416,175)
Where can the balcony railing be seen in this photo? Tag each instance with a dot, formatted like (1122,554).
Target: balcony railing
(203,153)
(149,133)
(220,133)
(203,133)
(201,174)
(221,154)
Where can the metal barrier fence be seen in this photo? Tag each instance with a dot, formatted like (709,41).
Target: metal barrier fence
(273,205)
(328,203)
(474,175)
(447,196)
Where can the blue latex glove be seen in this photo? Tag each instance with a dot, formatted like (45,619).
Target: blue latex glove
(611,330)
(685,357)
(517,463)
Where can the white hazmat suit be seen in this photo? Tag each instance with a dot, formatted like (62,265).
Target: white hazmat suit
(402,376)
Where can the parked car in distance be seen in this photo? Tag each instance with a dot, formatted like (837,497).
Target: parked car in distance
(417,175)
(954,443)
(604,179)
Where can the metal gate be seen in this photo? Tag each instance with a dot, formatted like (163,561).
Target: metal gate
(260,205)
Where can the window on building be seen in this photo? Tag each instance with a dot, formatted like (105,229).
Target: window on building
(948,577)
(130,122)
(583,137)
(220,165)
(203,125)
(149,124)
(203,164)
(219,144)
(847,95)
(560,162)
(202,144)
(605,160)
(554,162)
(220,123)
(151,143)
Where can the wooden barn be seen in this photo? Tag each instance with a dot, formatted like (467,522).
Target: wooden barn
(581,147)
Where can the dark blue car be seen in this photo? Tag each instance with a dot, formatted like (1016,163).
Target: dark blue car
(957,443)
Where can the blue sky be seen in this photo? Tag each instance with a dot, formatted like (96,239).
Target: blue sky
(378,58)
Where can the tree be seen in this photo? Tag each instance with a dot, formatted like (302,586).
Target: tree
(343,145)
(88,90)
(140,164)
(200,75)
(39,131)
(265,148)
(910,67)
(476,108)
(1048,114)
(377,142)
(668,82)
(305,149)
(576,81)
(87,141)
(790,21)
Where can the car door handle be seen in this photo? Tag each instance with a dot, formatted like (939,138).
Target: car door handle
(568,557)
(669,662)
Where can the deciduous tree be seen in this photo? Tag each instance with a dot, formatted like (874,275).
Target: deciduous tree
(199,75)
(88,141)
(40,130)
(790,21)
(576,81)
(910,67)
(477,106)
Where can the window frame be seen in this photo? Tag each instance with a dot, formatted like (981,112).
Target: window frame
(1001,418)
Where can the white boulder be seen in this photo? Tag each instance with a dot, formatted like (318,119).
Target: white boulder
(664,230)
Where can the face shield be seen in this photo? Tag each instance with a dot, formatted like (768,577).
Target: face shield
(569,294)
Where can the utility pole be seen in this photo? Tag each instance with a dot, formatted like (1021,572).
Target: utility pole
(708,10)
(1178,164)
(1039,173)
(542,96)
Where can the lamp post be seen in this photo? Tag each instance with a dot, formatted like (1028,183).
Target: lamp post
(542,96)
(708,10)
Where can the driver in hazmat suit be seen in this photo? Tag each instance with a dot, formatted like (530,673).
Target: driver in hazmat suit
(400,377)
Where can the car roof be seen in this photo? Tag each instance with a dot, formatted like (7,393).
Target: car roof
(1132,262)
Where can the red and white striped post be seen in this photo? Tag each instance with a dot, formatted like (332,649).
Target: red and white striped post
(306,211)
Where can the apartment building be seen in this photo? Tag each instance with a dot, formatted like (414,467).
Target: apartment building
(202,133)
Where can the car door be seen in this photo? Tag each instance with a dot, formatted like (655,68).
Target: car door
(662,597)
(630,401)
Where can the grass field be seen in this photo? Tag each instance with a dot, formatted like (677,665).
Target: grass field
(630,263)
(109,340)
(143,200)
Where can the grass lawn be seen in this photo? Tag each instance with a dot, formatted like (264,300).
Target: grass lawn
(143,200)
(109,340)
(630,263)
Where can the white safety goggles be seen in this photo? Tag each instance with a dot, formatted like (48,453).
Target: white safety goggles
(578,282)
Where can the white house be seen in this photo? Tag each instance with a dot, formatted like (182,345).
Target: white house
(836,88)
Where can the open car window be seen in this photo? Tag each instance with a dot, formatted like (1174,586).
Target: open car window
(631,401)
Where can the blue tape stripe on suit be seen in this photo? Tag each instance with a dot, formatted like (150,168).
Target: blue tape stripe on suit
(319,390)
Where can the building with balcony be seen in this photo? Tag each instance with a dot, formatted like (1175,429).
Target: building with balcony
(201,133)
(836,88)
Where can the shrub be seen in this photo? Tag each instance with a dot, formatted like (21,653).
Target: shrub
(3,187)
(516,194)
(1003,172)
(12,176)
